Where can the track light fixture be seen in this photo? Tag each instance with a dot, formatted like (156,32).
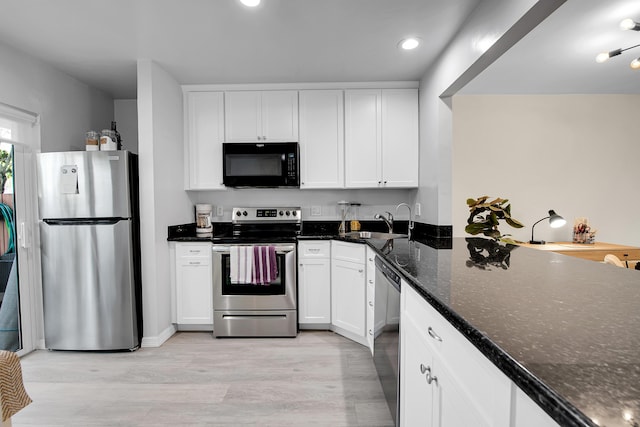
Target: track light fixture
(626,24)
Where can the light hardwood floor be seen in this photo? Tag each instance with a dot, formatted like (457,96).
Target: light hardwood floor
(318,378)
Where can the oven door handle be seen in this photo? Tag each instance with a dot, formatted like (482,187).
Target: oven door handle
(279,249)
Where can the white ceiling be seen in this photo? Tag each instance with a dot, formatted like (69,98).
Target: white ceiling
(221,41)
(558,56)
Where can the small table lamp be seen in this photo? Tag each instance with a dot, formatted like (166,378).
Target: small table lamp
(555,221)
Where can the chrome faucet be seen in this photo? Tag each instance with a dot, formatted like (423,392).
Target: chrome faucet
(410,227)
(388,220)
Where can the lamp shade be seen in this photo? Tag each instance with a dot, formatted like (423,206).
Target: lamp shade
(555,220)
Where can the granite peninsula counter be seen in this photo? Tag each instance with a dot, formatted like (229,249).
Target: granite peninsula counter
(565,330)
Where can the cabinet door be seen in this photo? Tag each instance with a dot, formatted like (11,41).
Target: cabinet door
(528,413)
(205,134)
(279,116)
(194,291)
(322,139)
(348,297)
(454,406)
(314,291)
(363,138)
(242,121)
(400,138)
(417,396)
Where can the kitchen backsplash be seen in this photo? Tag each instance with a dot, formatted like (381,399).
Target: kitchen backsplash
(317,205)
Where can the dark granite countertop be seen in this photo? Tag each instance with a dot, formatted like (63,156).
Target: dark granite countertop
(565,330)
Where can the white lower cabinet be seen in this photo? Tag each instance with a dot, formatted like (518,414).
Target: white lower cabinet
(194,284)
(446,382)
(372,329)
(528,413)
(348,291)
(314,284)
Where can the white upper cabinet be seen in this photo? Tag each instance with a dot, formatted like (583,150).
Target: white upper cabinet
(400,138)
(363,138)
(322,138)
(204,119)
(261,116)
(381,138)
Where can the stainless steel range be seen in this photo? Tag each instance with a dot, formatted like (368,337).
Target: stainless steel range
(245,304)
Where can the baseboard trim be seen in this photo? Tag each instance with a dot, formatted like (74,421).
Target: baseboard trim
(159,339)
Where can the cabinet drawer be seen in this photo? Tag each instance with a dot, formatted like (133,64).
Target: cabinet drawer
(193,250)
(314,249)
(352,252)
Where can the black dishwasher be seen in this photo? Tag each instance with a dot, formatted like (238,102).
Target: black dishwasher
(386,344)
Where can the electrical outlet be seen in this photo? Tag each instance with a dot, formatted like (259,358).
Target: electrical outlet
(219,211)
(417,209)
(316,210)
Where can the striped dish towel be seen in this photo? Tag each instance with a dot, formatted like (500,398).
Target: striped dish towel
(265,266)
(241,264)
(13,396)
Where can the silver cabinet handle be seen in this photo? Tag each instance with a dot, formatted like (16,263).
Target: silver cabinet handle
(370,303)
(194,262)
(314,250)
(370,332)
(360,271)
(370,259)
(423,369)
(431,378)
(433,334)
(371,281)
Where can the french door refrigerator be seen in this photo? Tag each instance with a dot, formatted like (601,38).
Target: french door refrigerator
(90,250)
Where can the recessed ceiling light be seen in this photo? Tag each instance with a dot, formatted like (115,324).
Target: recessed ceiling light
(409,43)
(250,3)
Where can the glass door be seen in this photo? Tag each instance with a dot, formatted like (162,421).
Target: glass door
(10,333)
(19,257)
(276,287)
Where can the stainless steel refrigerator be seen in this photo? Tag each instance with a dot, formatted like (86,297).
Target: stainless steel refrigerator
(89,238)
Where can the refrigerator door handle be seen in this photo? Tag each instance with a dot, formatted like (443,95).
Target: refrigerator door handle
(84,221)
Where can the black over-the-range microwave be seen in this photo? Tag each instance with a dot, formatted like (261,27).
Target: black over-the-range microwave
(268,164)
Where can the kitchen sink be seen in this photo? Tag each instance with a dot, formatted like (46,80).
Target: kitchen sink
(374,235)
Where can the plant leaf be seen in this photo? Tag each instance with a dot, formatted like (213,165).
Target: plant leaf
(514,223)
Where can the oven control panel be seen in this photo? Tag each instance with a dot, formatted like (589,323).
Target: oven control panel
(282,214)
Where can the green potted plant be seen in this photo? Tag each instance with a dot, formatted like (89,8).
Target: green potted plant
(484,218)
(6,168)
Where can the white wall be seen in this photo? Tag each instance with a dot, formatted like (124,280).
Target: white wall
(503,20)
(571,153)
(126,117)
(163,200)
(67,107)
